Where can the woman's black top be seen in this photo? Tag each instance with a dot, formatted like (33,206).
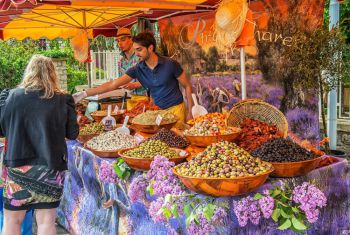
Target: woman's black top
(35,128)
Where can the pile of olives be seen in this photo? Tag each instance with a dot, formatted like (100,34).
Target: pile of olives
(170,138)
(93,128)
(283,150)
(152,148)
(223,160)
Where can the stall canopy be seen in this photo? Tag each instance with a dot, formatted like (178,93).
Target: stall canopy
(52,19)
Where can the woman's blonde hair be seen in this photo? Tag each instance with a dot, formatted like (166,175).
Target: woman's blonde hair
(40,74)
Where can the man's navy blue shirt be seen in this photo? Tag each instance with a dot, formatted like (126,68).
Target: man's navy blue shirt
(161,81)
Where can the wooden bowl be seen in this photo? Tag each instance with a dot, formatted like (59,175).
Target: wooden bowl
(223,187)
(144,164)
(152,129)
(105,154)
(291,169)
(85,138)
(98,116)
(204,141)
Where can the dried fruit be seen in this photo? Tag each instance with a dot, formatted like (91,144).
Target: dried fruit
(140,107)
(254,133)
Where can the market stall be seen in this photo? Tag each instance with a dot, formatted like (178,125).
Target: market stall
(149,191)
(82,209)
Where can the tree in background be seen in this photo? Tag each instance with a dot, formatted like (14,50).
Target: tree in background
(14,56)
(213,59)
(287,21)
(320,61)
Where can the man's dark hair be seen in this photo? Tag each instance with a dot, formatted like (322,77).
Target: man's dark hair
(145,39)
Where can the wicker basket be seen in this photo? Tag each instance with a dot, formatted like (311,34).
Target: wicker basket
(258,110)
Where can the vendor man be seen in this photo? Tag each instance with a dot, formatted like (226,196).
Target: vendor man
(129,59)
(160,75)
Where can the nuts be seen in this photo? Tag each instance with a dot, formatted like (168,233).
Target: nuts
(112,140)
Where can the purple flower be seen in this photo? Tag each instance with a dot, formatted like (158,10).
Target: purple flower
(154,210)
(107,174)
(165,182)
(137,188)
(267,205)
(241,210)
(254,212)
(310,199)
(204,227)
(219,215)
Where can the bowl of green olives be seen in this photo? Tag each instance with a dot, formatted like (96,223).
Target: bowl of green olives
(223,169)
(140,158)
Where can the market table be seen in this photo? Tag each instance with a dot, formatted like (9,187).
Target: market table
(90,206)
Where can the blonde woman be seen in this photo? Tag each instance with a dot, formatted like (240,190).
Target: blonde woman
(35,118)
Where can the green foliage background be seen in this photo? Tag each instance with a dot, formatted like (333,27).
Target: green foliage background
(15,55)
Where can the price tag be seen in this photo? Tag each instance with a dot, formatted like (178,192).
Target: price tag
(158,119)
(139,138)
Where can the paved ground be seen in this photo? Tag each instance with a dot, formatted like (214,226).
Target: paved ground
(60,230)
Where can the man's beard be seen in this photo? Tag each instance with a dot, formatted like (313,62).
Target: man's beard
(147,56)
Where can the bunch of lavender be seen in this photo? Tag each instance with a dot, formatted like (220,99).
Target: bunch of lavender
(107,174)
(138,188)
(310,199)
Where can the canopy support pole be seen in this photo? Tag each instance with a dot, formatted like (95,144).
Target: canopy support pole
(243,77)
(332,95)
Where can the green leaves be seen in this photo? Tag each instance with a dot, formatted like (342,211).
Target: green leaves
(150,188)
(286,213)
(258,196)
(208,211)
(187,210)
(298,224)
(166,213)
(276,214)
(285,225)
(191,218)
(174,210)
(121,169)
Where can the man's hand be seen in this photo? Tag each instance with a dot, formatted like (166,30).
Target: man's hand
(79,96)
(132,85)
(189,116)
